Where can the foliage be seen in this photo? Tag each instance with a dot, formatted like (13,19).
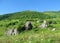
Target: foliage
(36,35)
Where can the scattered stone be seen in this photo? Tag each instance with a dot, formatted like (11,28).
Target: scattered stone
(44,24)
(53,29)
(28,25)
(14,32)
(11,32)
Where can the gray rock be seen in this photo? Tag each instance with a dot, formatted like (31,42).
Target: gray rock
(14,32)
(44,24)
(28,25)
(11,32)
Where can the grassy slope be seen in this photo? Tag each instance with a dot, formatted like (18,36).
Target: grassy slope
(36,35)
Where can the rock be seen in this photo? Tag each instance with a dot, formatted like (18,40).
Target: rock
(53,29)
(44,24)
(14,32)
(11,32)
(28,25)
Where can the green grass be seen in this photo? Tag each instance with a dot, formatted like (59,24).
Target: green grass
(36,35)
(39,36)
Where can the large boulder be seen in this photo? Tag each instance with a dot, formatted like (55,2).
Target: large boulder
(14,32)
(28,25)
(11,32)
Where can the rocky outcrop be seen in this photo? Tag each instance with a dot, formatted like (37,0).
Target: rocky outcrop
(11,32)
(44,24)
(28,25)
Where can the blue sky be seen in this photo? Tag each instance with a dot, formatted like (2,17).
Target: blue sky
(10,6)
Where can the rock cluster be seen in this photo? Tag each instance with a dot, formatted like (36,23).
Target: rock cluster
(27,26)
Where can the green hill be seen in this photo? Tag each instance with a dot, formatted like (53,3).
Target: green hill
(53,13)
(25,15)
(36,35)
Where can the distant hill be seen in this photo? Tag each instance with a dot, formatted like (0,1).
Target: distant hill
(15,19)
(54,14)
(25,15)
